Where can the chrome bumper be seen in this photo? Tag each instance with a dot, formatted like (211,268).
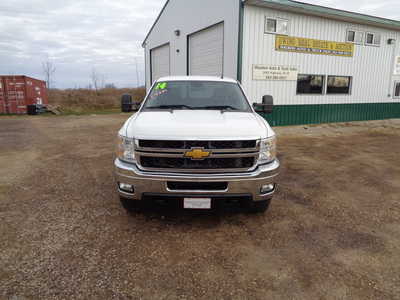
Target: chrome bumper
(155,182)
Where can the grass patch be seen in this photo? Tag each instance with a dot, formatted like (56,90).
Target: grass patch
(80,111)
(83,101)
(86,101)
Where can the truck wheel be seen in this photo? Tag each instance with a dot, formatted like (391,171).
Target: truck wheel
(130,205)
(259,206)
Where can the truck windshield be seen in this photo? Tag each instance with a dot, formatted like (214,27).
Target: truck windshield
(197,95)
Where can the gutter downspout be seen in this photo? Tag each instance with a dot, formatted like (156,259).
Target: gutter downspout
(392,70)
(240,42)
(145,66)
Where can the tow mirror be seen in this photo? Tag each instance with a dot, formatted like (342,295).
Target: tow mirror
(266,106)
(128,105)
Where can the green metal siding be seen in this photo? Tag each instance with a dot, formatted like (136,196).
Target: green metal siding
(328,113)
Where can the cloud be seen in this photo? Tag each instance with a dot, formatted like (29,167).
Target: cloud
(107,35)
(381,8)
(76,36)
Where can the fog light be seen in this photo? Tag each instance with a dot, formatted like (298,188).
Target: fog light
(126,187)
(265,189)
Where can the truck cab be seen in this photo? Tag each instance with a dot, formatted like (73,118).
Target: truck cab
(198,142)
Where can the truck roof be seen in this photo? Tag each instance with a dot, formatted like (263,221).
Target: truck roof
(196,78)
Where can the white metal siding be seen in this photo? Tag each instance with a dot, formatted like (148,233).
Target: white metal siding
(371,67)
(206,49)
(190,16)
(160,62)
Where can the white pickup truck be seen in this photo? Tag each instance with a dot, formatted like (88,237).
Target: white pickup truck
(197,142)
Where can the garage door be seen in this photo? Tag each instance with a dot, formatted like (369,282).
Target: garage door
(159,62)
(206,49)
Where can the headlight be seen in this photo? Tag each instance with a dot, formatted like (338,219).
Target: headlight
(267,150)
(126,149)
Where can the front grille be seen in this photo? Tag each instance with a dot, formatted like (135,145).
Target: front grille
(187,163)
(160,155)
(193,144)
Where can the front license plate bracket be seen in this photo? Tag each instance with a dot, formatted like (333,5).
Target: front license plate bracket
(197,203)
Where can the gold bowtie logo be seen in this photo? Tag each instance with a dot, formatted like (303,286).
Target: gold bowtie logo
(197,153)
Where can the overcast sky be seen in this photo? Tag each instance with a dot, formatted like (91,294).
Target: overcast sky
(78,35)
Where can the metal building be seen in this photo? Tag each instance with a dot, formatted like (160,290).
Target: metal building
(17,92)
(320,64)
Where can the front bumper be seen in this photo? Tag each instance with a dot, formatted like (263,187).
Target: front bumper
(248,183)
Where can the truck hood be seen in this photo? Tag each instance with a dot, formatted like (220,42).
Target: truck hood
(196,125)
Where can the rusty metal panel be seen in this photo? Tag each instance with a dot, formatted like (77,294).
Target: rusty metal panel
(2,98)
(36,91)
(16,92)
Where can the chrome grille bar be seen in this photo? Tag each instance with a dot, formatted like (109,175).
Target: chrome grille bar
(219,159)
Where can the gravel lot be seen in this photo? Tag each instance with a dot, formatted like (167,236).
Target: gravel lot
(332,231)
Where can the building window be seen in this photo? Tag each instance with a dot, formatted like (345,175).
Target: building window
(276,25)
(270,25)
(354,36)
(396,93)
(310,84)
(372,39)
(338,85)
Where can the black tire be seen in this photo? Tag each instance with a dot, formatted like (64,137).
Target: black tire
(257,207)
(130,205)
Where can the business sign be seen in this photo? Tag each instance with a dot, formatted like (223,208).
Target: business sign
(304,45)
(397,66)
(266,72)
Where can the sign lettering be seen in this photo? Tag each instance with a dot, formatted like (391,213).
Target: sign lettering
(267,72)
(397,66)
(304,45)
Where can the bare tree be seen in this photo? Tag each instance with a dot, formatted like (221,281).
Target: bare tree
(110,86)
(98,80)
(49,70)
(102,81)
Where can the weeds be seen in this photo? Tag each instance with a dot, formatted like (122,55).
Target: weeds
(82,101)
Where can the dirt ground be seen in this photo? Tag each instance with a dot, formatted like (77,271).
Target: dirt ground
(332,230)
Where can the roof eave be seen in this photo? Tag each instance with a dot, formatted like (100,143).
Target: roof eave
(154,24)
(326,12)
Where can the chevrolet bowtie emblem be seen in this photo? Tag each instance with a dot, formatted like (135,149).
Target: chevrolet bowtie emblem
(197,153)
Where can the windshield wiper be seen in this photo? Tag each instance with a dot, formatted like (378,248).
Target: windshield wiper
(222,108)
(170,107)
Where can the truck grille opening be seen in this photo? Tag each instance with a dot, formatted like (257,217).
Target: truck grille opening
(197,186)
(187,163)
(192,144)
(171,156)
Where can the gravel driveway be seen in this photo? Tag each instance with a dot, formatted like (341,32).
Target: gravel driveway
(332,231)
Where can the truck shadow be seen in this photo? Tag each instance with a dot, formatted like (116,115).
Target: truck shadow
(174,214)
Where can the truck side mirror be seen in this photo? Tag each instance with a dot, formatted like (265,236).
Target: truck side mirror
(126,103)
(268,102)
(266,106)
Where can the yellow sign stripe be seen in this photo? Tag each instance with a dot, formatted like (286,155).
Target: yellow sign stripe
(311,46)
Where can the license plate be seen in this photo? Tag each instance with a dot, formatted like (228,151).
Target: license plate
(197,203)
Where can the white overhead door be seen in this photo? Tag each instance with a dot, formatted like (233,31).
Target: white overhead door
(206,49)
(159,62)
